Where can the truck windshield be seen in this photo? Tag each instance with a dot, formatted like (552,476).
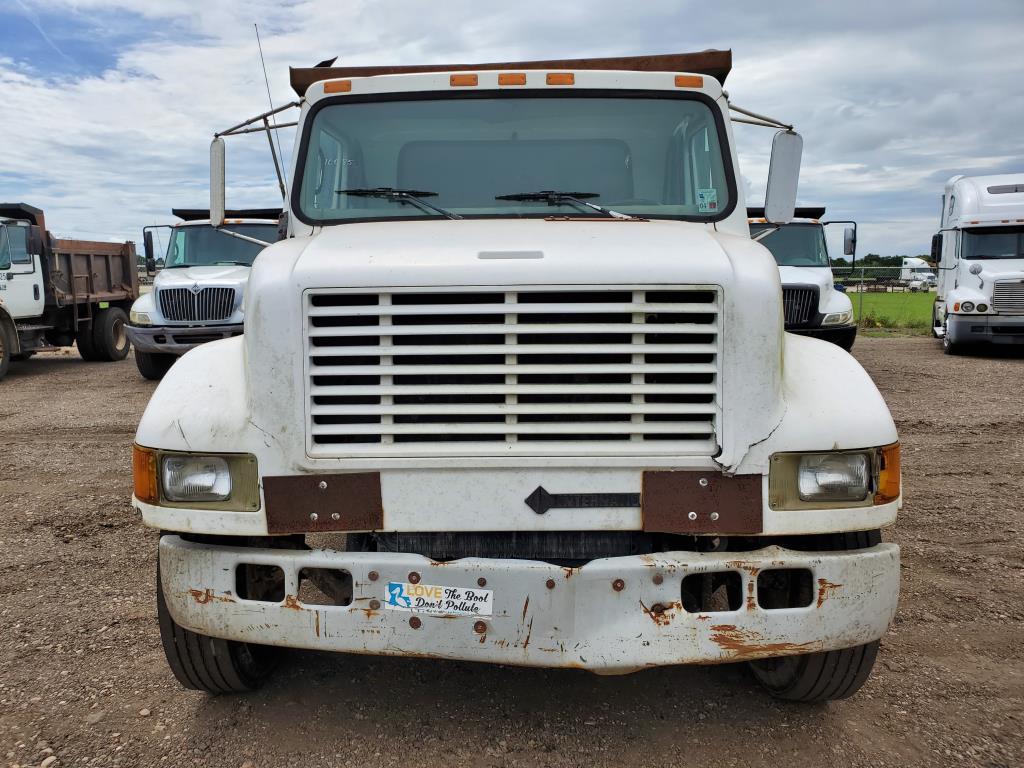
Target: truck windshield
(199,246)
(645,156)
(795,245)
(14,245)
(993,243)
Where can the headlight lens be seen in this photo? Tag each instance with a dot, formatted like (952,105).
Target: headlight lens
(196,478)
(834,477)
(838,318)
(967,306)
(139,318)
(983,307)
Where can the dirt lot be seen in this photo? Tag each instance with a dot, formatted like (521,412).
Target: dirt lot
(83,679)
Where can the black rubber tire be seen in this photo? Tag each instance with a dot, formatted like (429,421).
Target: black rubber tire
(22,356)
(6,345)
(153,365)
(949,347)
(209,664)
(84,340)
(110,335)
(824,675)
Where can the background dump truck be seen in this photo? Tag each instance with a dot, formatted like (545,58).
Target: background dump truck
(979,251)
(810,301)
(515,389)
(55,292)
(198,295)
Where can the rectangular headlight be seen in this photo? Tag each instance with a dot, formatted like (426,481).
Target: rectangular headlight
(838,318)
(834,477)
(196,478)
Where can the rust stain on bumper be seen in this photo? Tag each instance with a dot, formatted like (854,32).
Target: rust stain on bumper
(207,596)
(744,643)
(825,590)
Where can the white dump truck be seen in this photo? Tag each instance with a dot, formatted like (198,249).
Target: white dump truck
(979,251)
(811,304)
(198,294)
(515,389)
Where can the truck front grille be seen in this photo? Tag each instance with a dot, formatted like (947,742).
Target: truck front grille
(1008,297)
(539,372)
(208,304)
(800,304)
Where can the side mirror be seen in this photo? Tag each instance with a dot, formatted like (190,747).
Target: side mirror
(34,241)
(783,177)
(849,241)
(217,182)
(147,244)
(937,248)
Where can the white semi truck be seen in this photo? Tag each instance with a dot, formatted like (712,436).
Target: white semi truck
(917,274)
(198,294)
(515,389)
(812,306)
(979,251)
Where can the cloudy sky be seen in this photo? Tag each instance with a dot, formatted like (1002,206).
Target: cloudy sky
(107,106)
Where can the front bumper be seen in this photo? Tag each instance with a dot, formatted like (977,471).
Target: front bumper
(841,335)
(177,341)
(600,616)
(996,329)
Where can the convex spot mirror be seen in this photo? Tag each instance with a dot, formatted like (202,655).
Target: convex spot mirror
(783,177)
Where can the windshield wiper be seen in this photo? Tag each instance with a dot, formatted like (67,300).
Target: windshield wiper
(552,197)
(412,196)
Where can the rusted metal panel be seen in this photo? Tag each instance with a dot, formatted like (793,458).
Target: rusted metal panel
(713,63)
(322,503)
(701,502)
(610,615)
(87,271)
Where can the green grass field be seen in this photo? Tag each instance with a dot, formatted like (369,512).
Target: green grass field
(893,310)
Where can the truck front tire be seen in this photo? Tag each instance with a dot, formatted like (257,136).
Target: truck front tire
(209,664)
(153,365)
(110,335)
(823,675)
(6,345)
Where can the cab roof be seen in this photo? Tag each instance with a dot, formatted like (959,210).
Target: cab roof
(199,214)
(713,63)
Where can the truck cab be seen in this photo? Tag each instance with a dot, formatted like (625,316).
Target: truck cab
(917,274)
(979,251)
(198,294)
(515,389)
(812,304)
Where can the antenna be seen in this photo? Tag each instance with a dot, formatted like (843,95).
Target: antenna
(282,174)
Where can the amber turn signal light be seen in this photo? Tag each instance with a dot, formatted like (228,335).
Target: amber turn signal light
(561,78)
(888,474)
(689,81)
(144,474)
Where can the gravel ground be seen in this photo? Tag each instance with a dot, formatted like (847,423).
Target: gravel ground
(83,680)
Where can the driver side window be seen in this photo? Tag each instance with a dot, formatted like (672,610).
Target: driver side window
(5,248)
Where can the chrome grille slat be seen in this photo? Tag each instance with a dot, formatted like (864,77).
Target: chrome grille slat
(531,372)
(800,304)
(1008,297)
(209,304)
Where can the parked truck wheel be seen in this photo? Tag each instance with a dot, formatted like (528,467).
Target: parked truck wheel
(153,365)
(5,349)
(824,675)
(110,334)
(86,347)
(209,664)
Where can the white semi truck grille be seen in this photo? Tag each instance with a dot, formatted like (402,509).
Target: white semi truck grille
(206,304)
(533,371)
(800,304)
(1008,296)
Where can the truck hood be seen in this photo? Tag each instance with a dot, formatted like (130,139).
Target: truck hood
(225,274)
(518,252)
(819,276)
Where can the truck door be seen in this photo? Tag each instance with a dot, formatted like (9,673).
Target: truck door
(21,274)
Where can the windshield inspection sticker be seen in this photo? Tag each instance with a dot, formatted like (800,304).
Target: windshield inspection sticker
(446,601)
(707,200)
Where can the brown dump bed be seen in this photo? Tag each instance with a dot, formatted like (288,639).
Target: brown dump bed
(713,63)
(86,271)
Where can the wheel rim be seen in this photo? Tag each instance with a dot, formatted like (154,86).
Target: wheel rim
(120,334)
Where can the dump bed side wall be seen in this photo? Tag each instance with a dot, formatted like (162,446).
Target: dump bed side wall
(86,271)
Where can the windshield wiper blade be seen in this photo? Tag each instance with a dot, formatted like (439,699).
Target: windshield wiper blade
(553,197)
(411,196)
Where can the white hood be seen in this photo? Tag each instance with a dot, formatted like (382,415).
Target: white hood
(223,275)
(829,299)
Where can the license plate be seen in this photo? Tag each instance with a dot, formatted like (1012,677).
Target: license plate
(437,599)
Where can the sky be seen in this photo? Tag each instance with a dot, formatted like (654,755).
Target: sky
(107,107)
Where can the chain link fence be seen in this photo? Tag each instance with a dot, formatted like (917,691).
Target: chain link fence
(889,297)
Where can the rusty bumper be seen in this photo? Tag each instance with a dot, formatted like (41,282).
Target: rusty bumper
(611,615)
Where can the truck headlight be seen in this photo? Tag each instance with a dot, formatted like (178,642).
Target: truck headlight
(139,318)
(832,479)
(196,478)
(967,306)
(227,481)
(838,318)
